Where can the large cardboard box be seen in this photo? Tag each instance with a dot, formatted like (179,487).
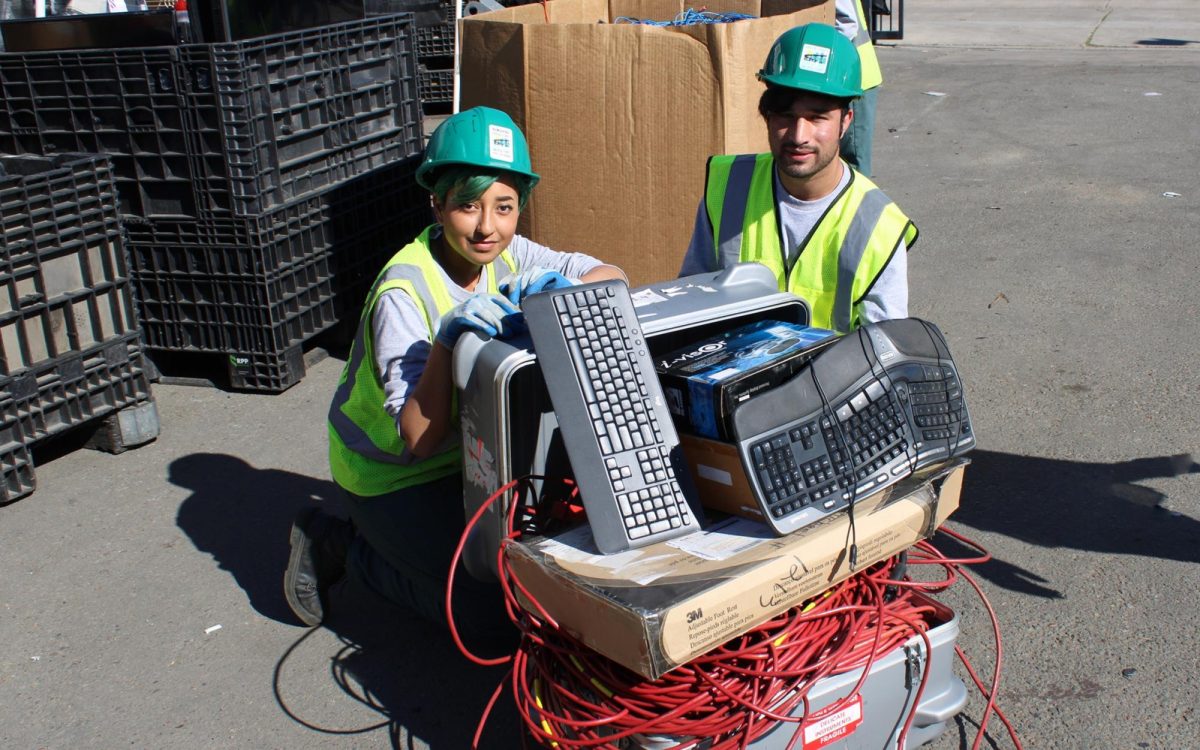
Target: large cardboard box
(654,608)
(621,118)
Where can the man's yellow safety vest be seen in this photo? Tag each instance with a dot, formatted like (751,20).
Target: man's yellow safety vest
(842,257)
(365,448)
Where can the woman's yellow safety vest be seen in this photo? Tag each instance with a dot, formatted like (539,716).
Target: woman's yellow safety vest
(365,448)
(842,257)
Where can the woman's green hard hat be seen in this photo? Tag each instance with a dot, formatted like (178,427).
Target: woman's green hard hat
(477,137)
(814,57)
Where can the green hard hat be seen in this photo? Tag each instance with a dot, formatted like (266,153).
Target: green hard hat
(478,137)
(814,57)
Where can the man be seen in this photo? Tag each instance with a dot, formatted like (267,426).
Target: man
(829,234)
(855,25)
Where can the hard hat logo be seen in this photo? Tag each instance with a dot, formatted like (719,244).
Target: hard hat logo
(501,139)
(814,58)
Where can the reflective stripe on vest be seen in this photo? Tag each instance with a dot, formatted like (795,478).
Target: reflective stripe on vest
(872,75)
(366,452)
(848,248)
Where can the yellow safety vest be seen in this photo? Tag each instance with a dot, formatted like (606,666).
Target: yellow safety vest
(365,448)
(842,257)
(872,76)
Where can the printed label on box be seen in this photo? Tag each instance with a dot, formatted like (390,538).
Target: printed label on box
(829,727)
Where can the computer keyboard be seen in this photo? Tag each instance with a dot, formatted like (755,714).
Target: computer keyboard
(873,407)
(622,445)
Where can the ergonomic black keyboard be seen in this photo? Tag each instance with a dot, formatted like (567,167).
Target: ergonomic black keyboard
(612,415)
(876,405)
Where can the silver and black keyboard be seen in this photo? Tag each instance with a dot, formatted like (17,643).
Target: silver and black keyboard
(612,415)
(872,408)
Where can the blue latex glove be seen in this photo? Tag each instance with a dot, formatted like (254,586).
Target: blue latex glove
(490,314)
(518,286)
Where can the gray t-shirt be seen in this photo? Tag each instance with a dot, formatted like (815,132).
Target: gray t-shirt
(402,340)
(886,300)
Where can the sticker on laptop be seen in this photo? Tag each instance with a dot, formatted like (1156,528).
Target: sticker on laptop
(500,143)
(814,58)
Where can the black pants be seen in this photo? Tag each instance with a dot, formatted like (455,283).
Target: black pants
(405,542)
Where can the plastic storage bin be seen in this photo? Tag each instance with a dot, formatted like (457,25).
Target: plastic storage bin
(64,277)
(874,722)
(253,290)
(70,347)
(277,118)
(212,130)
(123,102)
(437,89)
(435,41)
(887,696)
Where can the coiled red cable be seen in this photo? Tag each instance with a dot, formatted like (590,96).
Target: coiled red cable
(570,696)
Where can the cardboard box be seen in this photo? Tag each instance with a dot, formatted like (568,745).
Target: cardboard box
(621,118)
(703,382)
(657,607)
(720,477)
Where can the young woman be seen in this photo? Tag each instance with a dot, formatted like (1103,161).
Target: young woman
(394,448)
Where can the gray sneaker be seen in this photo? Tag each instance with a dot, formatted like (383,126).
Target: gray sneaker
(317,561)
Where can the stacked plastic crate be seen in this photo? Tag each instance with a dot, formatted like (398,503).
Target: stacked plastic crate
(434,30)
(263,182)
(435,55)
(70,352)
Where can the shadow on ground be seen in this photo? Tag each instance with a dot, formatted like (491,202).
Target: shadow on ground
(405,670)
(409,671)
(1090,506)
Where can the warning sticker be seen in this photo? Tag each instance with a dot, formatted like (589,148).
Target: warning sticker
(828,727)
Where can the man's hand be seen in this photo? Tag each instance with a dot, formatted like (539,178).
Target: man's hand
(490,314)
(518,286)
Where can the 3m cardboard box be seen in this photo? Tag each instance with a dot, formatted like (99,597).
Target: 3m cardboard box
(621,118)
(657,607)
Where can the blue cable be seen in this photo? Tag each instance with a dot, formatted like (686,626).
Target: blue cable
(688,17)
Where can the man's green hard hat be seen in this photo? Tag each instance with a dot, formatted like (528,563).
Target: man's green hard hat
(477,137)
(814,57)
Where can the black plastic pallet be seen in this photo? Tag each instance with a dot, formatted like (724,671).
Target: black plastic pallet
(64,276)
(77,388)
(277,118)
(16,465)
(212,130)
(64,394)
(249,292)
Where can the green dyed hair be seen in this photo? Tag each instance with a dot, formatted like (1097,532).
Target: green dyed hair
(467,183)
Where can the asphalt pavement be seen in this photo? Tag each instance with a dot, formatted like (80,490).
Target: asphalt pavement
(1051,159)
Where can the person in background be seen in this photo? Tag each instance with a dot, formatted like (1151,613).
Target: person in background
(857,143)
(394,447)
(830,234)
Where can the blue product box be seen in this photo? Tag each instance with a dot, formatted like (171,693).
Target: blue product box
(704,381)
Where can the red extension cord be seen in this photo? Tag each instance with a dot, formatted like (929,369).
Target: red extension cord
(570,696)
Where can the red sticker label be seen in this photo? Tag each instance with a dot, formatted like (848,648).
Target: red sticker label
(828,726)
